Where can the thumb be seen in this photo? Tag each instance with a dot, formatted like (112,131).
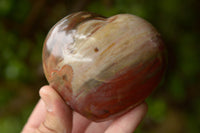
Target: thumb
(58,115)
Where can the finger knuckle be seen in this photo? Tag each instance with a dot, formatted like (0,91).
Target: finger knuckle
(45,129)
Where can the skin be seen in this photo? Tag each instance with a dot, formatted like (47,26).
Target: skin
(52,115)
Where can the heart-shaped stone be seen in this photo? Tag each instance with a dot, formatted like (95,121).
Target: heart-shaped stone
(103,67)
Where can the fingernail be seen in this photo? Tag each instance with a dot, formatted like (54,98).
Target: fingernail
(47,99)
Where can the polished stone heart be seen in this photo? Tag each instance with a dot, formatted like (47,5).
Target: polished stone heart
(103,67)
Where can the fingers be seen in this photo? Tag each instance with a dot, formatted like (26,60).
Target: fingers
(128,122)
(99,127)
(80,123)
(58,116)
(52,115)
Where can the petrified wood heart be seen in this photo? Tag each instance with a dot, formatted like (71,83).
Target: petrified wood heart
(103,67)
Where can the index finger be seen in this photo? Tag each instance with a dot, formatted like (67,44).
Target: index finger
(128,122)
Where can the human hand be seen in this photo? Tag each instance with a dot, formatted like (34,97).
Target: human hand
(52,115)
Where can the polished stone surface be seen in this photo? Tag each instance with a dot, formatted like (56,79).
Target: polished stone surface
(103,67)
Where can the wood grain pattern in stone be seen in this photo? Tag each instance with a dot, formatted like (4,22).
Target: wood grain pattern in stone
(102,67)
